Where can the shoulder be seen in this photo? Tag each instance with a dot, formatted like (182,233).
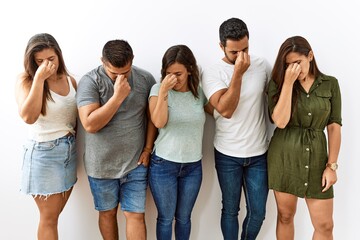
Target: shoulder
(73,81)
(142,72)
(259,63)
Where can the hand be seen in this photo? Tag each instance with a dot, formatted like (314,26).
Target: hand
(292,73)
(329,178)
(45,70)
(122,87)
(144,159)
(168,82)
(242,62)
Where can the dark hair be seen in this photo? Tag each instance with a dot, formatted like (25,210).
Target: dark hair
(118,53)
(183,55)
(232,29)
(36,44)
(298,45)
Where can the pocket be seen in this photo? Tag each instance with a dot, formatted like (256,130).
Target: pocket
(323,98)
(25,150)
(156,159)
(44,146)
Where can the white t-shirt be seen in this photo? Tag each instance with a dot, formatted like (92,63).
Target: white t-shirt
(244,134)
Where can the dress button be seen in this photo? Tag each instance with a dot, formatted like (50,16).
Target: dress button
(307,95)
(307,149)
(306,166)
(305,184)
(309,114)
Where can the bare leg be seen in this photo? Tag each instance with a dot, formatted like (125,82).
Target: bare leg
(286,206)
(135,226)
(50,209)
(321,213)
(108,224)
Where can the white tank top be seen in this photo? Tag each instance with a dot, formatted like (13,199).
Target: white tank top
(60,118)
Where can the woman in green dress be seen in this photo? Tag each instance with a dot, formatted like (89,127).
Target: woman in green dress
(302,162)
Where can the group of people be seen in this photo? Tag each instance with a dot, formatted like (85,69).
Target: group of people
(140,132)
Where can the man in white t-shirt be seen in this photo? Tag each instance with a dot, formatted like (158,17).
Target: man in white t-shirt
(235,86)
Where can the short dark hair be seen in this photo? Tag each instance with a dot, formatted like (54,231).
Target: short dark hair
(118,53)
(232,29)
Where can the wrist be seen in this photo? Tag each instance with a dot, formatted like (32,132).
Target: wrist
(332,165)
(147,150)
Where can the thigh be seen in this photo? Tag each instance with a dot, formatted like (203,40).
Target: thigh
(163,183)
(321,210)
(105,193)
(133,190)
(286,203)
(230,175)
(256,182)
(188,188)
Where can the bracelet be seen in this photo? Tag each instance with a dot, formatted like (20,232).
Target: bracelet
(148,150)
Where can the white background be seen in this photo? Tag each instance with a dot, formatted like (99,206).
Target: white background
(82,28)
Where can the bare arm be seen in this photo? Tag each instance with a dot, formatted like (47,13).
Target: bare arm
(151,133)
(282,111)
(158,105)
(225,101)
(94,117)
(334,141)
(29,97)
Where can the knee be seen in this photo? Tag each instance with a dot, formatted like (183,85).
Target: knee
(109,213)
(135,217)
(325,226)
(286,217)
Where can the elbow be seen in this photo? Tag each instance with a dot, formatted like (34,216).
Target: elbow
(226,114)
(281,125)
(90,129)
(29,119)
(159,125)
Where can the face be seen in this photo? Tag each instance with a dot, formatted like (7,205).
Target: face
(233,48)
(302,60)
(113,72)
(182,75)
(47,54)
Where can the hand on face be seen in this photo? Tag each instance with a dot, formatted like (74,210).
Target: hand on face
(122,87)
(292,72)
(242,62)
(169,82)
(45,70)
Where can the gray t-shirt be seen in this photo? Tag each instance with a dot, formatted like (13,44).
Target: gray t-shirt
(115,149)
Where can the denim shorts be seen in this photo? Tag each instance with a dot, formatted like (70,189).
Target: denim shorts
(49,167)
(129,191)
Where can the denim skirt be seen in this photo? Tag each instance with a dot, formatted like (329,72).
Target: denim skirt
(49,167)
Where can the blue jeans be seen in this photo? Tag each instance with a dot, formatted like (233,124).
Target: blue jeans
(234,174)
(175,187)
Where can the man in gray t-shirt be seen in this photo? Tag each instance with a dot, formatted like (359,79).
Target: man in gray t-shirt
(119,137)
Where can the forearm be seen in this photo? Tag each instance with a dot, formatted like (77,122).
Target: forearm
(101,116)
(334,142)
(282,111)
(159,114)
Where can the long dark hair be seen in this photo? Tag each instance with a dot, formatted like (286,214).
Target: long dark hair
(183,55)
(298,45)
(38,43)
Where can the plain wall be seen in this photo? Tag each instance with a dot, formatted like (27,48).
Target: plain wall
(82,28)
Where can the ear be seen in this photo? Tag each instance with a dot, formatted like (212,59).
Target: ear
(310,56)
(221,46)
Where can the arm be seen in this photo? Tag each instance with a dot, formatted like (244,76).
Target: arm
(225,101)
(158,105)
(151,133)
(29,96)
(334,141)
(282,111)
(94,117)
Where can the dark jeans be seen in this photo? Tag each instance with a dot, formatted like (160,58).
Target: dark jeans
(175,187)
(234,174)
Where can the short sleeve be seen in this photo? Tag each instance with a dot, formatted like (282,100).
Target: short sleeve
(335,114)
(271,92)
(87,91)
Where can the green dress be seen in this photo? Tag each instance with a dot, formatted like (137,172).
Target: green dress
(297,154)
